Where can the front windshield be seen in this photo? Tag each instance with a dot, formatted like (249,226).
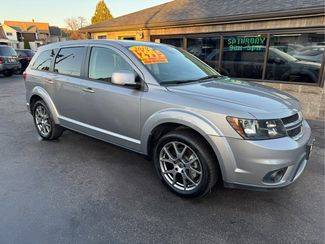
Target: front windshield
(170,65)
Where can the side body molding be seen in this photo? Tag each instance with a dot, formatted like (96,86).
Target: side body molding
(179,116)
(41,92)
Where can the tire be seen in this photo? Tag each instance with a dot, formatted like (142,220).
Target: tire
(44,123)
(7,73)
(171,171)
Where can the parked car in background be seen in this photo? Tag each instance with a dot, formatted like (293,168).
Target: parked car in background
(198,126)
(280,66)
(24,57)
(9,63)
(311,54)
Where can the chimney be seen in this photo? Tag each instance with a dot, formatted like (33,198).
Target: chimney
(33,20)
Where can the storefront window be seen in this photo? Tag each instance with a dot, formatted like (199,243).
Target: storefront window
(295,57)
(176,42)
(205,48)
(243,56)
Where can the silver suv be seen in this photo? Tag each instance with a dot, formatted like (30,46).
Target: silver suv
(198,127)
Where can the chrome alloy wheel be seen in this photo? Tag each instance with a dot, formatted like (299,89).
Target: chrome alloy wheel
(180,166)
(42,120)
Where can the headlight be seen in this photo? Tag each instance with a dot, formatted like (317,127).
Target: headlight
(251,129)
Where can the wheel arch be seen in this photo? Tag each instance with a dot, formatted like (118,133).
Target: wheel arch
(165,121)
(41,93)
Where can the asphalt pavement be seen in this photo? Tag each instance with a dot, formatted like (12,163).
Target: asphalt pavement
(82,190)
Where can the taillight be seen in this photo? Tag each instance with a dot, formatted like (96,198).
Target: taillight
(1,60)
(24,75)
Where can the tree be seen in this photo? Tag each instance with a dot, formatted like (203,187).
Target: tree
(26,44)
(73,25)
(102,13)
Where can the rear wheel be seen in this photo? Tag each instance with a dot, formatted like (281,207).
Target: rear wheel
(185,164)
(44,122)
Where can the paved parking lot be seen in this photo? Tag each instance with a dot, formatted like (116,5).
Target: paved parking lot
(81,190)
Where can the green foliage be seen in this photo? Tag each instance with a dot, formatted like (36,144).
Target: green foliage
(26,44)
(102,13)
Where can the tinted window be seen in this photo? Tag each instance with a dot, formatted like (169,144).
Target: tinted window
(69,61)
(295,57)
(176,42)
(21,53)
(104,61)
(102,37)
(29,53)
(7,51)
(44,60)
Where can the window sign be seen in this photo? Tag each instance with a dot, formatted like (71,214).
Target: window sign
(243,56)
(245,43)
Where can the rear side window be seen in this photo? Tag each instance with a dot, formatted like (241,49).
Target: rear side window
(7,51)
(104,62)
(44,60)
(69,61)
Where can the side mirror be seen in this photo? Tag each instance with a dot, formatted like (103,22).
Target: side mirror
(124,78)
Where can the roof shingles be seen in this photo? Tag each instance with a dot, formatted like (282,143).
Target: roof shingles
(180,11)
(28,26)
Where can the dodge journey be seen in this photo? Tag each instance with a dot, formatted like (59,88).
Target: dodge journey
(199,128)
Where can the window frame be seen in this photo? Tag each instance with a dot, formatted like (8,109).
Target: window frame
(267,33)
(52,61)
(123,55)
(82,75)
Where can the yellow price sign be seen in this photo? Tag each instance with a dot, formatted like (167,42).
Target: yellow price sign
(148,55)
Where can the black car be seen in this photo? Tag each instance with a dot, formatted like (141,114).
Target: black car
(9,63)
(24,57)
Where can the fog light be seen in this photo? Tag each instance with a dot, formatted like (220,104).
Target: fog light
(274,176)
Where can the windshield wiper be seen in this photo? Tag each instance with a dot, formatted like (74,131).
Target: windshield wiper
(209,77)
(177,82)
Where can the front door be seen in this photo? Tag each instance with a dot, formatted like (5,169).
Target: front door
(111,112)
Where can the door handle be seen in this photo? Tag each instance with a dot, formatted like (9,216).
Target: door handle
(88,89)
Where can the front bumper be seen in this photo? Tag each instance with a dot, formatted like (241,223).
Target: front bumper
(246,164)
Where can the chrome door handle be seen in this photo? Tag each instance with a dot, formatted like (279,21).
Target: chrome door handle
(90,90)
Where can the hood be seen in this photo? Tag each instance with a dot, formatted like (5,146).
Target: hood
(249,96)
(308,63)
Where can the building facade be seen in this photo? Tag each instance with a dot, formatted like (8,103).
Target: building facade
(280,43)
(10,36)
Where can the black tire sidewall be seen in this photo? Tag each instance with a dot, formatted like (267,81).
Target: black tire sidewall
(196,147)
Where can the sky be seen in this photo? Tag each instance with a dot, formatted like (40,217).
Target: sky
(56,11)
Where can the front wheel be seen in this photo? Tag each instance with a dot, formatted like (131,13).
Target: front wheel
(185,164)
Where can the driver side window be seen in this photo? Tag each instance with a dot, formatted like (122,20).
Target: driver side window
(104,62)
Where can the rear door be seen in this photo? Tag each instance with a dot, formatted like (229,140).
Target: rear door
(67,82)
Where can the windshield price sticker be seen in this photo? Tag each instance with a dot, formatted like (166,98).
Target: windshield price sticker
(148,55)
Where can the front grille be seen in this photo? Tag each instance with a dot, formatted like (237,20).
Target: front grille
(293,125)
(290,119)
(294,132)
